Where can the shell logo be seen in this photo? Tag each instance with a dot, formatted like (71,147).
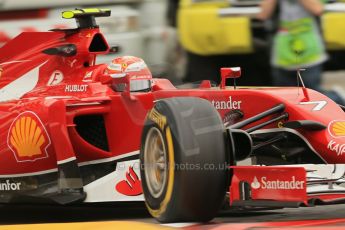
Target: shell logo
(337,128)
(28,138)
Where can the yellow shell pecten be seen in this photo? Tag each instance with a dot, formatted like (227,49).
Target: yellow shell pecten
(27,137)
(338,128)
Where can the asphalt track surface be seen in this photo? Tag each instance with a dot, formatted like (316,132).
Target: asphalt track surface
(115,215)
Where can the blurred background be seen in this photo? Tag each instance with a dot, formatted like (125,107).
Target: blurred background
(184,40)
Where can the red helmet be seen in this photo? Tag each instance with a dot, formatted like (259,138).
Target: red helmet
(128,66)
(133,69)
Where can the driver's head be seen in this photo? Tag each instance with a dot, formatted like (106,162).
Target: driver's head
(132,68)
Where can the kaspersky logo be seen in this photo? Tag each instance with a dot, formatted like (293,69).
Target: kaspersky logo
(28,138)
(337,128)
(264,183)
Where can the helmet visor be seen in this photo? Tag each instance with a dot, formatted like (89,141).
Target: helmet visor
(140,85)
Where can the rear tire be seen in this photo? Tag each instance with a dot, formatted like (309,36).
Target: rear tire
(183,160)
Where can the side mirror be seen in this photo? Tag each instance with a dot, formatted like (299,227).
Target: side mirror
(68,50)
(114,49)
(225,73)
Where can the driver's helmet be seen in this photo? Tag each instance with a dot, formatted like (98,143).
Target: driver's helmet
(130,67)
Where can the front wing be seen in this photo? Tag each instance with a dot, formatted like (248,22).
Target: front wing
(287,186)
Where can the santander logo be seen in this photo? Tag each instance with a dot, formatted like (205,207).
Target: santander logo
(264,183)
(131,186)
(255,184)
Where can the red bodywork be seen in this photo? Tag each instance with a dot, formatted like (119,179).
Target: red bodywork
(42,96)
(278,184)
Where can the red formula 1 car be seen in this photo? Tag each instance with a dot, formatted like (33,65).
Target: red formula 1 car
(73,131)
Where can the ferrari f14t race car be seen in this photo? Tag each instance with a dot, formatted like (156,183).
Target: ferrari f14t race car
(73,131)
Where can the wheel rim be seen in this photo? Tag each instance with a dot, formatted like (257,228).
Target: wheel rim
(155,160)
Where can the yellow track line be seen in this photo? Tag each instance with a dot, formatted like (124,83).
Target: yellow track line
(110,225)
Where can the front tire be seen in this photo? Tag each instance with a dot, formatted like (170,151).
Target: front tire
(183,160)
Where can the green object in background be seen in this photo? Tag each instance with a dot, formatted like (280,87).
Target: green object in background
(298,46)
(297,43)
